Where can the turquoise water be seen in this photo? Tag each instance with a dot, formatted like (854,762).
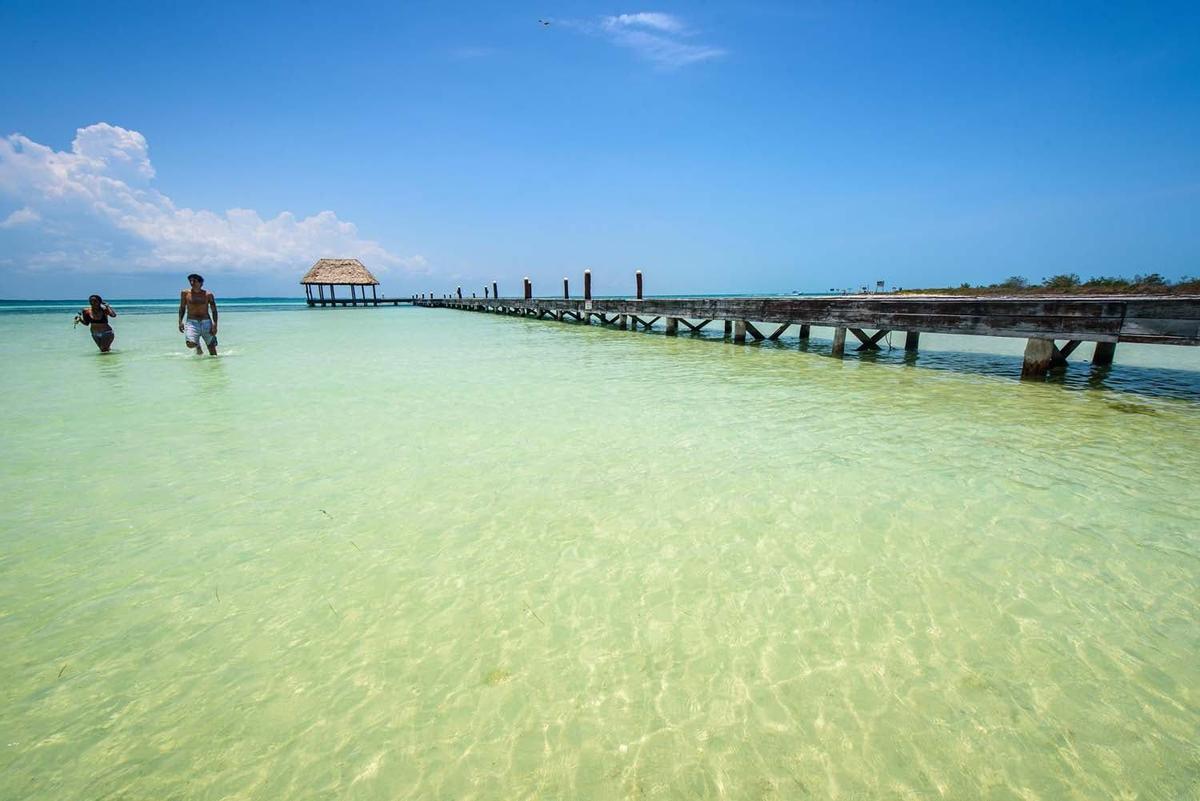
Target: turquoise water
(413,553)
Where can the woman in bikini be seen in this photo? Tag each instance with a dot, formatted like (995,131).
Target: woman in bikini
(96,317)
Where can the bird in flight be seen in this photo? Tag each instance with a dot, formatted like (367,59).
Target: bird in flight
(545,22)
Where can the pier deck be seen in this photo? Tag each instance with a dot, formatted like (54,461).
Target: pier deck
(1151,319)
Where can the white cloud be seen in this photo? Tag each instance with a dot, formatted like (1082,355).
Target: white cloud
(21,216)
(655,36)
(647,19)
(93,209)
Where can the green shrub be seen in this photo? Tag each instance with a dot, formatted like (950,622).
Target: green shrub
(1064,281)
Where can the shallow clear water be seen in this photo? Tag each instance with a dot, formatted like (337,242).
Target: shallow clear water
(413,553)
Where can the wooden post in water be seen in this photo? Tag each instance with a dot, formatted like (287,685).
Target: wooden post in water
(374,297)
(804,331)
(566,289)
(739,331)
(911,340)
(623,321)
(1103,355)
(729,328)
(839,342)
(528,289)
(638,275)
(332,297)
(1039,357)
(485,293)
(672,326)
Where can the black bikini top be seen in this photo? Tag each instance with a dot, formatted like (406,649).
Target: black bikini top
(89,319)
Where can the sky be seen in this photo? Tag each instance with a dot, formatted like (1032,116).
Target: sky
(718,147)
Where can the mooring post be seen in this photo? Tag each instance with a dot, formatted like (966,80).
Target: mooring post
(566,289)
(638,275)
(495,290)
(672,326)
(739,331)
(911,340)
(839,342)
(528,289)
(485,293)
(1039,357)
(459,291)
(587,284)
(1103,355)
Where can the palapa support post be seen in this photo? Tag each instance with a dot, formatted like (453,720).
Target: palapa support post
(912,340)
(1039,356)
(332,297)
(1102,356)
(308,294)
(528,289)
(672,326)
(638,276)
(839,342)
(739,331)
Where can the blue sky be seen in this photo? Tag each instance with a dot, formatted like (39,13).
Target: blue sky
(737,147)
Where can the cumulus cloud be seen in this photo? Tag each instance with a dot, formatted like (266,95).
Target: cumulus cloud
(92,208)
(661,38)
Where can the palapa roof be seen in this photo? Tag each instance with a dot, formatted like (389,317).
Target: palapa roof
(339,271)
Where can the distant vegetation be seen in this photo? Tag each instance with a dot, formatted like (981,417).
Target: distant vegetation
(1069,284)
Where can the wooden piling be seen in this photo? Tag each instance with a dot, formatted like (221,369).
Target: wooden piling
(638,275)
(1039,356)
(739,331)
(672,326)
(839,342)
(805,329)
(728,327)
(528,289)
(495,290)
(566,289)
(587,284)
(1102,356)
(623,321)
(911,341)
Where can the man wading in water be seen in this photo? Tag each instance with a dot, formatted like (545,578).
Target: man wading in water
(196,302)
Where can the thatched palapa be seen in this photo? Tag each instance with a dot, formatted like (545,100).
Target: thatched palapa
(338,272)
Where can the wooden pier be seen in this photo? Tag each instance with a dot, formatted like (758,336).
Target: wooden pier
(1044,321)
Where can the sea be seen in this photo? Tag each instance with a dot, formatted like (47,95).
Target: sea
(412,553)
